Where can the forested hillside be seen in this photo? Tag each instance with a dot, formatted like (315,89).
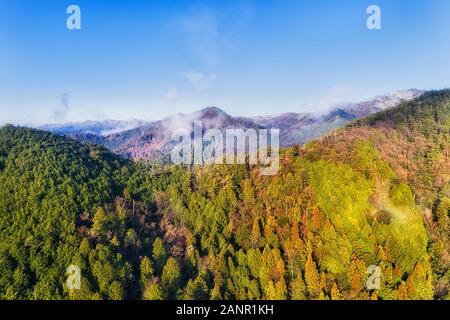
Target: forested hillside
(45,183)
(374,194)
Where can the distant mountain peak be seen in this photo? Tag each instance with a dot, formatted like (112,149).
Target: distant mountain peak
(380,103)
(211,112)
(212,109)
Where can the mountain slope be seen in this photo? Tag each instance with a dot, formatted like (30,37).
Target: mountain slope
(337,206)
(414,140)
(46,182)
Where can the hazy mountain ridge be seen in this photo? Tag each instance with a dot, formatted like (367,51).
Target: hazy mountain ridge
(102,128)
(147,140)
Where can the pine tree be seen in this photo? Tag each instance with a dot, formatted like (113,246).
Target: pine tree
(322,296)
(121,213)
(442,215)
(256,232)
(298,288)
(171,275)
(85,247)
(216,290)
(248,193)
(127,194)
(159,255)
(295,234)
(196,289)
(279,269)
(335,293)
(99,222)
(154,292)
(115,291)
(312,277)
(281,289)
(402,292)
(130,237)
(418,284)
(146,270)
(316,219)
(355,277)
(271,293)
(323,282)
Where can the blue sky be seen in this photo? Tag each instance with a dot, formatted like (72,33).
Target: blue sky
(148,59)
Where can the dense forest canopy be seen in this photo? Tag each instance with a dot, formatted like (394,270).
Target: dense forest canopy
(376,193)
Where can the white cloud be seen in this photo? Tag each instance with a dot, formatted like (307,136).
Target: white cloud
(335,96)
(60,113)
(199,81)
(212,35)
(201,31)
(172,94)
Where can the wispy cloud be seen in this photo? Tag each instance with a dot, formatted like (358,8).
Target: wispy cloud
(60,113)
(210,34)
(172,94)
(199,81)
(172,99)
(335,96)
(200,28)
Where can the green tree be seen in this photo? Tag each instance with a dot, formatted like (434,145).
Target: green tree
(154,292)
(312,277)
(146,270)
(171,275)
(99,221)
(115,291)
(298,288)
(159,255)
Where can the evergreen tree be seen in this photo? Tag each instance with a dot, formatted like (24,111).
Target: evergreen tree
(100,222)
(146,270)
(312,277)
(171,276)
(154,292)
(159,255)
